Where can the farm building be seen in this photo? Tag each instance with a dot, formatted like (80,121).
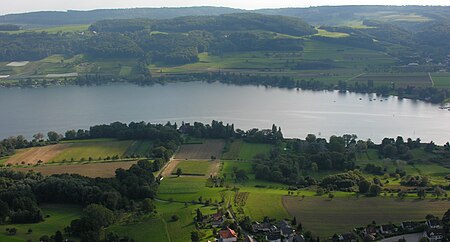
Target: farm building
(227,235)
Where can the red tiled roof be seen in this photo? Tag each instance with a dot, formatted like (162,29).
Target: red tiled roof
(227,233)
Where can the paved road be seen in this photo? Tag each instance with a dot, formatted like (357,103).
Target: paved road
(408,237)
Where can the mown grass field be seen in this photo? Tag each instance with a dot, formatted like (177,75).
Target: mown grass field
(241,150)
(60,217)
(187,189)
(151,230)
(192,167)
(326,217)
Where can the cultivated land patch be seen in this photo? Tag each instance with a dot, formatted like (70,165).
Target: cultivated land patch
(100,169)
(97,150)
(325,217)
(242,150)
(33,155)
(205,150)
(68,151)
(198,168)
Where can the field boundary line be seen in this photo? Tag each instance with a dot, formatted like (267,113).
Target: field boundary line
(431,79)
(352,78)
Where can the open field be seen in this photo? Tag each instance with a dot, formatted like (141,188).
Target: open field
(139,148)
(205,150)
(242,150)
(33,155)
(151,230)
(325,33)
(400,79)
(187,189)
(198,168)
(80,150)
(100,169)
(441,80)
(325,217)
(54,30)
(60,217)
(96,150)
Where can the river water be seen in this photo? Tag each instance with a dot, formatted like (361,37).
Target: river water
(298,112)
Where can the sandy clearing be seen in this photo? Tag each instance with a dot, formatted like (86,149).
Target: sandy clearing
(33,155)
(18,63)
(103,170)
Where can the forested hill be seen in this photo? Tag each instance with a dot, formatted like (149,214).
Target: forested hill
(87,17)
(226,22)
(408,16)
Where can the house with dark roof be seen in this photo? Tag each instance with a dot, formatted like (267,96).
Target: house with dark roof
(410,225)
(227,235)
(264,228)
(434,235)
(286,230)
(273,237)
(433,224)
(347,237)
(388,229)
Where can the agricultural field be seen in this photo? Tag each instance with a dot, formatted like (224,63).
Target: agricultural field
(441,80)
(80,150)
(151,230)
(325,33)
(197,168)
(400,79)
(53,30)
(326,217)
(98,169)
(60,216)
(206,150)
(241,150)
(187,189)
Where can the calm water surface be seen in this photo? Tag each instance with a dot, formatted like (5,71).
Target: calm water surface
(28,111)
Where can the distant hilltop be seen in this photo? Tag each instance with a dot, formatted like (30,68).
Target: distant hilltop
(324,15)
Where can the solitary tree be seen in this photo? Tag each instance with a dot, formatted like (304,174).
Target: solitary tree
(179,172)
(195,237)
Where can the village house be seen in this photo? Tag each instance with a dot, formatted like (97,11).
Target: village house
(227,235)
(388,229)
(434,235)
(264,228)
(410,225)
(273,237)
(216,219)
(347,237)
(286,231)
(433,224)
